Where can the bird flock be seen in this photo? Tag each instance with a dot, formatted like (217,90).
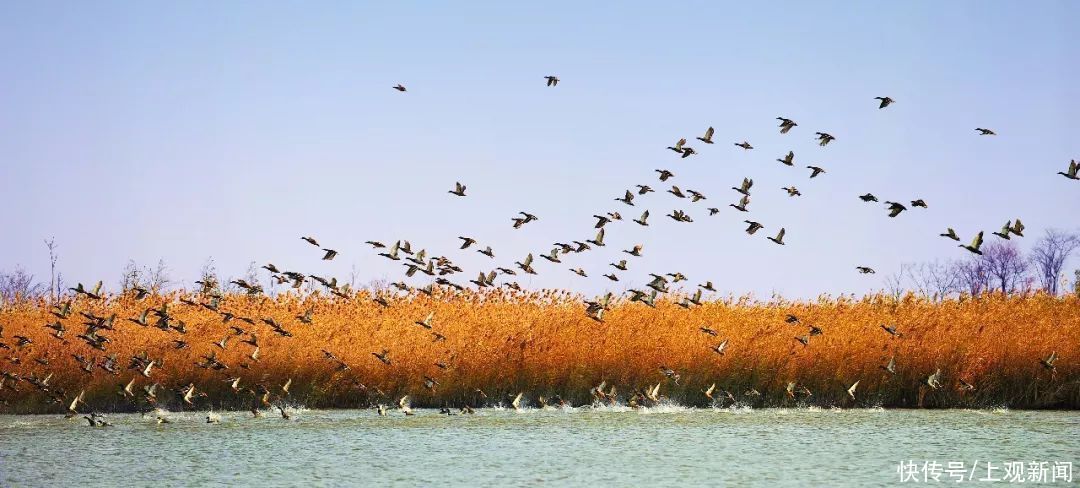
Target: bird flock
(142,389)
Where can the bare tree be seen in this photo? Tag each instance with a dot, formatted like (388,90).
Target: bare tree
(1005,264)
(54,289)
(131,276)
(894,283)
(208,278)
(935,279)
(972,275)
(158,279)
(18,286)
(1049,256)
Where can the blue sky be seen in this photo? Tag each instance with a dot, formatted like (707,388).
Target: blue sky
(131,130)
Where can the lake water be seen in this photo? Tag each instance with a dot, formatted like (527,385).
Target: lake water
(664,446)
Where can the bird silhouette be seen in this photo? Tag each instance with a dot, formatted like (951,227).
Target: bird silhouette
(1048,363)
(885,102)
(895,208)
(399,87)
(753,227)
(1005,230)
(552,80)
(985,132)
(824,138)
(890,367)
(743,202)
(745,187)
(745,145)
(814,171)
(951,234)
(1071,173)
(933,381)
(975,244)
(786,124)
(788,159)
(678,147)
(779,239)
(708,136)
(643,220)
(458,190)
(869,197)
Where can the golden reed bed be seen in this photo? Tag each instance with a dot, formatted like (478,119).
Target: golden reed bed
(543,344)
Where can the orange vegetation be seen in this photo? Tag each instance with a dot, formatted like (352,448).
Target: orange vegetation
(544,344)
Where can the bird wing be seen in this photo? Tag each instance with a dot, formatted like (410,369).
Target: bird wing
(975,243)
(709,133)
(780,235)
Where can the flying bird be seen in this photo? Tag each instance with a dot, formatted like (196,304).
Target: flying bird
(788,159)
(743,202)
(786,124)
(1048,363)
(708,136)
(975,244)
(678,147)
(745,187)
(985,132)
(458,190)
(552,80)
(824,138)
(643,220)
(951,234)
(895,208)
(1074,167)
(745,145)
(779,239)
(885,102)
(399,87)
(814,170)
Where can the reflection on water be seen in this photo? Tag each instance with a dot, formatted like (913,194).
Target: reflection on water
(664,446)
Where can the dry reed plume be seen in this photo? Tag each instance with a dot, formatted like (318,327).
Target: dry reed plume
(543,344)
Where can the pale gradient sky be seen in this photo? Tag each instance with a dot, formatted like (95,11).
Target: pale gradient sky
(148,130)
